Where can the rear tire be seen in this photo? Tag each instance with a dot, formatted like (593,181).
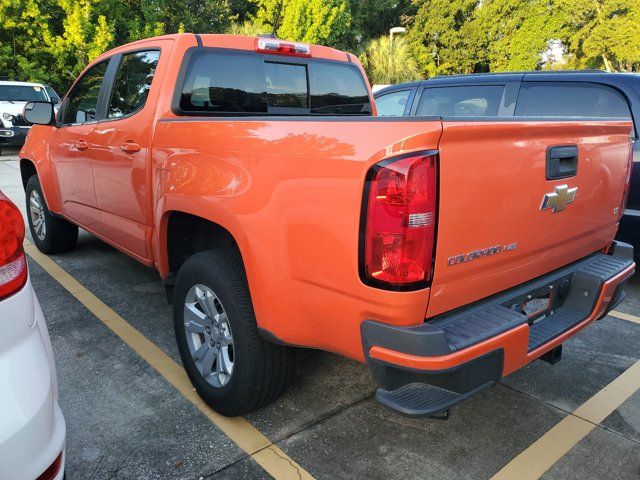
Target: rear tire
(50,234)
(212,295)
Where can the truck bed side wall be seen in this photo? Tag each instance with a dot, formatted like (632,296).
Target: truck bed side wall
(290,192)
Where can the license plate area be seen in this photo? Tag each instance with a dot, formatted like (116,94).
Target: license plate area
(541,302)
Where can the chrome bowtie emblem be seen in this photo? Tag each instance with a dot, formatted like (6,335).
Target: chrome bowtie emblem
(559,199)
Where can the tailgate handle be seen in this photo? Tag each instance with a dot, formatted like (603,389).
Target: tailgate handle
(562,162)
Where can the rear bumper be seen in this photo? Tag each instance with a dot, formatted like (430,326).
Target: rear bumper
(32,427)
(472,348)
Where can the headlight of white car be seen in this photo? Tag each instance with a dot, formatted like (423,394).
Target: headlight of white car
(7,116)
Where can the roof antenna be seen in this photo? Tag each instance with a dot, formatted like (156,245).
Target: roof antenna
(276,24)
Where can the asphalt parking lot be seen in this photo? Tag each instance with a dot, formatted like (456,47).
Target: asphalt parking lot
(130,416)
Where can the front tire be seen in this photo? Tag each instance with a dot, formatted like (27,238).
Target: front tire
(231,366)
(50,234)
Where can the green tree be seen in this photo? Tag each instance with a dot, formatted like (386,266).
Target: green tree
(82,37)
(601,33)
(373,18)
(515,34)
(324,22)
(242,10)
(249,28)
(22,49)
(387,62)
(441,36)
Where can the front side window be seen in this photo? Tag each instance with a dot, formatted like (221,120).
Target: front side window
(132,83)
(570,99)
(392,104)
(242,83)
(461,101)
(82,102)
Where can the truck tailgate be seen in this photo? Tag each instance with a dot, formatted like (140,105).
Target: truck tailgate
(493,233)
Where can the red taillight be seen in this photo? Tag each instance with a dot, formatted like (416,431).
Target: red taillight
(273,45)
(399,232)
(51,472)
(627,184)
(13,264)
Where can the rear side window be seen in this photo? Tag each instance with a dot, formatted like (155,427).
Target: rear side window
(286,86)
(462,101)
(249,84)
(570,99)
(132,83)
(338,88)
(392,104)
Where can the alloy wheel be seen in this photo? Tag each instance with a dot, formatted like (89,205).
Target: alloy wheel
(209,335)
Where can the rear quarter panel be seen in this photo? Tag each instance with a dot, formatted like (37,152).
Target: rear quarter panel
(290,192)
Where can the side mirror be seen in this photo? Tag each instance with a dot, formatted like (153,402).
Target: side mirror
(39,113)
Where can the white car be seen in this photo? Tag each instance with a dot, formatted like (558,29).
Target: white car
(13,97)
(32,428)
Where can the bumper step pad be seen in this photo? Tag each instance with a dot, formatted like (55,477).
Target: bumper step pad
(550,327)
(489,318)
(421,399)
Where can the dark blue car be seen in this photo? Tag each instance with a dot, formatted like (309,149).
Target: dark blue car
(530,94)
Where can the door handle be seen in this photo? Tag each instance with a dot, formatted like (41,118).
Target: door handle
(81,145)
(562,162)
(130,147)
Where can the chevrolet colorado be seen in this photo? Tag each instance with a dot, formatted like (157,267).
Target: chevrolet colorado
(254,175)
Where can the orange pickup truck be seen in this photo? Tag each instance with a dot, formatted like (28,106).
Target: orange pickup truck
(254,175)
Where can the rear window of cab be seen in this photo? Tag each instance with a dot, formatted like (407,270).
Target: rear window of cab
(246,83)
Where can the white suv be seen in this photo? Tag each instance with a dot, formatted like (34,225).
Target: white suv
(13,97)
(32,428)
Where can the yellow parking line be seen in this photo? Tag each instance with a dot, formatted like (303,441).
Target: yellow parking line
(625,316)
(533,462)
(269,456)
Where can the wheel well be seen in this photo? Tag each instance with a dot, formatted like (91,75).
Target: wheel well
(188,234)
(27,170)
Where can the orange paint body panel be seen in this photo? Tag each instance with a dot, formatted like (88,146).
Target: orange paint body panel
(290,192)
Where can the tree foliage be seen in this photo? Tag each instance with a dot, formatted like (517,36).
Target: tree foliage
(389,62)
(314,21)
(52,40)
(601,33)
(440,33)
(514,34)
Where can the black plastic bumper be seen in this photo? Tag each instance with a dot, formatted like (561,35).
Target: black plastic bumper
(13,135)
(573,292)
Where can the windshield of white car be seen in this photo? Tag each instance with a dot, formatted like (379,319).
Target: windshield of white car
(22,93)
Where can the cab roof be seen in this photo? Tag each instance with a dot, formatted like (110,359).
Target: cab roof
(236,42)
